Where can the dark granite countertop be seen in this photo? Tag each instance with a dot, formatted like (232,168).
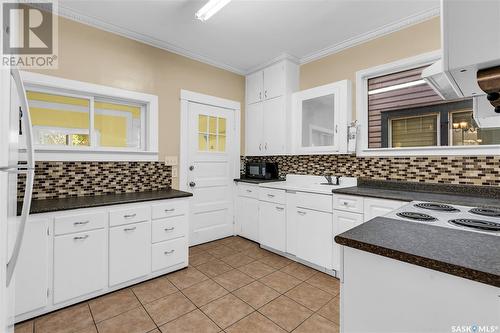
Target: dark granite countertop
(257,181)
(471,255)
(54,205)
(467,195)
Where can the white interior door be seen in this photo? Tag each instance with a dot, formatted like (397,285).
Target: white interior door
(210,176)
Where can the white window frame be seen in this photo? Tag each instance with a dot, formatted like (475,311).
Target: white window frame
(362,78)
(149,143)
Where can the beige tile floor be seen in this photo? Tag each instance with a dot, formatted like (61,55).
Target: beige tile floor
(231,285)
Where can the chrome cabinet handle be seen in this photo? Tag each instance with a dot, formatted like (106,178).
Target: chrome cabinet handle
(169,252)
(130,229)
(81,223)
(249,191)
(129,216)
(265,94)
(169,229)
(279,208)
(346,203)
(260,95)
(301,212)
(270,195)
(265,146)
(169,210)
(81,237)
(260,146)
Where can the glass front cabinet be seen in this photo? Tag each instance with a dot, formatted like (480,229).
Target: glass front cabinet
(320,119)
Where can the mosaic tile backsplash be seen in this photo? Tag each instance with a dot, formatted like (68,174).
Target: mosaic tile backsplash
(72,179)
(470,170)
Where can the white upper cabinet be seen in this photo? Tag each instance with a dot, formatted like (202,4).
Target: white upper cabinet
(255,87)
(274,81)
(254,132)
(274,129)
(320,118)
(268,109)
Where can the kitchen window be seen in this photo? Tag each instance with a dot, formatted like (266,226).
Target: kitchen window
(404,116)
(73,120)
(417,131)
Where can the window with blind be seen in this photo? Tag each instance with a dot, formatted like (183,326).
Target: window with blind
(404,111)
(81,121)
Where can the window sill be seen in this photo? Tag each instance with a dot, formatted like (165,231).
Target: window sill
(65,154)
(434,151)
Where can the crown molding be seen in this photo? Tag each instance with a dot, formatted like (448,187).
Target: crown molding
(373,34)
(365,37)
(283,56)
(99,24)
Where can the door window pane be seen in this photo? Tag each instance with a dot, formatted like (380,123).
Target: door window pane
(418,131)
(59,120)
(202,142)
(117,124)
(464,131)
(211,133)
(212,125)
(202,123)
(318,121)
(222,126)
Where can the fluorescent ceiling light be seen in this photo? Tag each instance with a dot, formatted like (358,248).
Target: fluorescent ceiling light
(210,8)
(396,87)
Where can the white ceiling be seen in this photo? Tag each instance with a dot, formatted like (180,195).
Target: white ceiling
(247,34)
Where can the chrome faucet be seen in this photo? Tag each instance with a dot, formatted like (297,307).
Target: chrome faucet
(330,181)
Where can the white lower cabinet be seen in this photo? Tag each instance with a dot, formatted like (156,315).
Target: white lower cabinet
(79,264)
(32,269)
(246,215)
(343,221)
(350,211)
(68,257)
(129,252)
(272,225)
(169,253)
(247,212)
(374,207)
(314,235)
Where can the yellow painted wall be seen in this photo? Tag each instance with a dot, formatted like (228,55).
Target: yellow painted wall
(92,55)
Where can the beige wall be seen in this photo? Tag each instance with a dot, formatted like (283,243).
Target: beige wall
(417,39)
(92,55)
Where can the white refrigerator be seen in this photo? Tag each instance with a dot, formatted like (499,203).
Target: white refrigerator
(15,124)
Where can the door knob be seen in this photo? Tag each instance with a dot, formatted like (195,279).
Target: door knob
(192,184)
(191,167)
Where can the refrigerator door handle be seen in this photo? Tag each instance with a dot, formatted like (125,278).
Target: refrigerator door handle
(29,170)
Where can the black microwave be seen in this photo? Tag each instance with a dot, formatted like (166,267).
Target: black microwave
(262,170)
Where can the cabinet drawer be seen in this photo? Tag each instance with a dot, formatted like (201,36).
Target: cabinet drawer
(169,253)
(272,195)
(169,228)
(67,224)
(129,215)
(322,202)
(171,208)
(79,264)
(348,203)
(129,251)
(248,191)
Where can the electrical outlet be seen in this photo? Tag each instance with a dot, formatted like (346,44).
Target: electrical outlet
(174,172)
(171,160)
